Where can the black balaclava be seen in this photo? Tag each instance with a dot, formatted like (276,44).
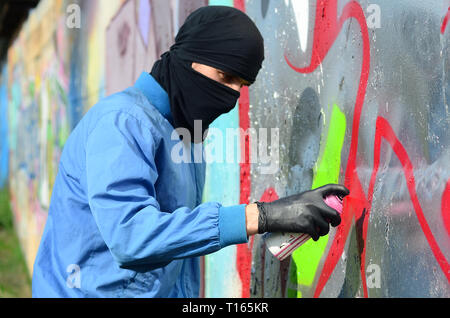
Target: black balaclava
(218,36)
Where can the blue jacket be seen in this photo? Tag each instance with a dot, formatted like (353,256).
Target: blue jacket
(125,220)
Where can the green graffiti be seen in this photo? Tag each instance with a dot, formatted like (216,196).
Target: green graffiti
(306,258)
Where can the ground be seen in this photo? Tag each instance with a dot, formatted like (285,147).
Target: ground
(14,277)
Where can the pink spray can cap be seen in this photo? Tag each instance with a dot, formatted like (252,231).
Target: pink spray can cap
(334,202)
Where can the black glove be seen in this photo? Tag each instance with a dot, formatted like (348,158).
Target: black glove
(301,213)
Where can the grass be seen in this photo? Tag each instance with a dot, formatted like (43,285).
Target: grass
(15,280)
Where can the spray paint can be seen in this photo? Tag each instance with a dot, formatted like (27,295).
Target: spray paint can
(281,245)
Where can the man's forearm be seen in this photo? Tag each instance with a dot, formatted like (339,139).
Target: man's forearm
(251,219)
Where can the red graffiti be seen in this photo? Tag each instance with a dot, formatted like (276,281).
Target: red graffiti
(384,130)
(445,206)
(327,27)
(244,251)
(243,262)
(269,195)
(445,22)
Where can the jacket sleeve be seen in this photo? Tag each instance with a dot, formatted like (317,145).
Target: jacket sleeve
(121,175)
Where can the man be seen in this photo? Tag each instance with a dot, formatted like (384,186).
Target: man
(125,220)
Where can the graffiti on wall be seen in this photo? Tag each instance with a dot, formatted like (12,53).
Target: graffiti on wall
(389,145)
(359,99)
(38,119)
(138,34)
(4,153)
(56,72)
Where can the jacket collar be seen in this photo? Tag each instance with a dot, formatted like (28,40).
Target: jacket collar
(157,96)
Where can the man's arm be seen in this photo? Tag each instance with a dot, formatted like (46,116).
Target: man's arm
(251,219)
(121,174)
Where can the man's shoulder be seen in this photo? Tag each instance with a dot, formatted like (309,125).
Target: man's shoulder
(128,102)
(133,105)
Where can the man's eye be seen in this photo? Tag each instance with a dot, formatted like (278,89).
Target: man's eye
(230,79)
(223,75)
(226,77)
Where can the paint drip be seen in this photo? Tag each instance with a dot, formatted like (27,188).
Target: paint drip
(281,245)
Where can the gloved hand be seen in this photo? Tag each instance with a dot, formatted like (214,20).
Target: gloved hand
(301,213)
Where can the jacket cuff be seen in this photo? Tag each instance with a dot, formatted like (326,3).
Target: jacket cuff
(232,225)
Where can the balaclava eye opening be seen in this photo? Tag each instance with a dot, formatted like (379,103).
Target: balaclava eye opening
(217,36)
